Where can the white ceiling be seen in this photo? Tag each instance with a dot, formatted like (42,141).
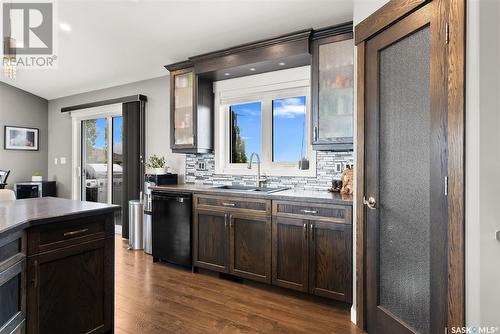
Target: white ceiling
(122,41)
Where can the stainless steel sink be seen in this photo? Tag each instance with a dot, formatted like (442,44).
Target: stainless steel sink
(250,189)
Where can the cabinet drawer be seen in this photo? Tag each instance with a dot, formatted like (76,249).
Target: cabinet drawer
(320,212)
(53,236)
(251,205)
(12,297)
(12,248)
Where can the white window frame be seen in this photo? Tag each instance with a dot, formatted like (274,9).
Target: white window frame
(262,88)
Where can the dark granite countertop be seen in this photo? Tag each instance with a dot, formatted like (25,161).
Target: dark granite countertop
(287,195)
(21,214)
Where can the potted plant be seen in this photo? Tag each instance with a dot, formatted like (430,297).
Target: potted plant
(36,177)
(156,165)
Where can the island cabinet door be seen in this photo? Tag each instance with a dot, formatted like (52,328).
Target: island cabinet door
(250,246)
(71,290)
(290,253)
(210,240)
(330,260)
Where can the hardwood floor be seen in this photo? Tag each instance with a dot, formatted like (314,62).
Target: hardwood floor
(156,298)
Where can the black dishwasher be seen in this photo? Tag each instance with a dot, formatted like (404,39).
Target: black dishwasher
(171,225)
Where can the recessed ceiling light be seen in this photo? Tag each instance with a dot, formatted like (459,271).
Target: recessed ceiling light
(65,27)
(281,64)
(226,74)
(252,69)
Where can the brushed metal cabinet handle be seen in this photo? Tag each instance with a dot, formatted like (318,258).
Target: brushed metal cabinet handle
(35,278)
(83,230)
(305,231)
(312,212)
(228,204)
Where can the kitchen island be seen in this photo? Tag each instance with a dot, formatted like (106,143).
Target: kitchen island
(56,266)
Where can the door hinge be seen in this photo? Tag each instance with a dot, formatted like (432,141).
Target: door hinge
(447,32)
(446,185)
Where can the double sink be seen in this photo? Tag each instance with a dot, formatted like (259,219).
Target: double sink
(250,189)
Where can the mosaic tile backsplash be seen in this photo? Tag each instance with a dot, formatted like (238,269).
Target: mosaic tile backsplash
(329,166)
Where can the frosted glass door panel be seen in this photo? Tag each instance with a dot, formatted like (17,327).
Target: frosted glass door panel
(404,171)
(335,114)
(183,111)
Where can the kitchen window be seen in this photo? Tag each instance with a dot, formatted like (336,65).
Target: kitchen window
(268,114)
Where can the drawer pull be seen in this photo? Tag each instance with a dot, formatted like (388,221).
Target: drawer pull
(228,204)
(311,212)
(83,230)
(35,278)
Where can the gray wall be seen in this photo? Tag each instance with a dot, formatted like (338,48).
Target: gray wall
(157,126)
(20,108)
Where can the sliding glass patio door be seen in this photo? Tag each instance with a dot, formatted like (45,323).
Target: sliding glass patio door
(102,161)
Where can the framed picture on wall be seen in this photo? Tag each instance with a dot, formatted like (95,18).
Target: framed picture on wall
(20,138)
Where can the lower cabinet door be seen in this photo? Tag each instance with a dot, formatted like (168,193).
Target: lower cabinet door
(250,246)
(71,290)
(330,260)
(211,240)
(290,253)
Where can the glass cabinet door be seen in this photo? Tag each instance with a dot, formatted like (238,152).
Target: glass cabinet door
(334,95)
(183,109)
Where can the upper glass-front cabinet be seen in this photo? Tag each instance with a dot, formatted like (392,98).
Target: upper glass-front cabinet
(333,93)
(191,111)
(183,110)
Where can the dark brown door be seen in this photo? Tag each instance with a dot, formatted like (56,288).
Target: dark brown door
(405,175)
(330,260)
(211,240)
(71,290)
(250,246)
(290,253)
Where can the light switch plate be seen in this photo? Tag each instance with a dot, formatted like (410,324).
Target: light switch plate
(63,160)
(55,161)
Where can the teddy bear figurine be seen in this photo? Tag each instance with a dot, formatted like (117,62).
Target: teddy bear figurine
(347,181)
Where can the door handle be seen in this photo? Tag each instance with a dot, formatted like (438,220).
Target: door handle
(225,220)
(230,221)
(228,204)
(370,203)
(305,231)
(311,226)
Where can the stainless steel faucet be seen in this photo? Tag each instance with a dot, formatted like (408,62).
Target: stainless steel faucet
(259,180)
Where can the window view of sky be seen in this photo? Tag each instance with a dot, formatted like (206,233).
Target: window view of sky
(101,124)
(246,132)
(289,128)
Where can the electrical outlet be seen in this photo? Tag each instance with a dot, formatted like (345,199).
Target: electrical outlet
(202,165)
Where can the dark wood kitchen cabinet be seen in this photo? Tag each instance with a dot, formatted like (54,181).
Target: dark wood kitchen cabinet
(330,251)
(70,276)
(210,240)
(312,248)
(332,89)
(250,246)
(191,110)
(290,253)
(233,235)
